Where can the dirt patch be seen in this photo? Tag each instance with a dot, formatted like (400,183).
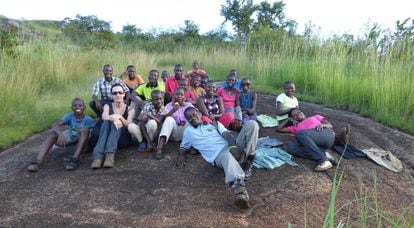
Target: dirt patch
(141,191)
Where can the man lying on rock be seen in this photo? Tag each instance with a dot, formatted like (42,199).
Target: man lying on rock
(219,147)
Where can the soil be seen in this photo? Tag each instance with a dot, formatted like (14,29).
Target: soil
(142,191)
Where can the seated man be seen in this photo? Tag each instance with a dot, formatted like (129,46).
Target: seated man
(103,86)
(149,121)
(78,131)
(220,148)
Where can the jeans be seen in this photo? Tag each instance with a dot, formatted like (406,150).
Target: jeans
(109,139)
(312,144)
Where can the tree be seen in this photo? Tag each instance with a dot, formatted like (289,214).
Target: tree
(89,32)
(190,29)
(240,14)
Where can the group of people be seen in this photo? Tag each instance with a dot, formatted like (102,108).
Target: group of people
(220,124)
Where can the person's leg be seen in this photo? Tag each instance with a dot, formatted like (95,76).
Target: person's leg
(73,163)
(92,104)
(238,115)
(149,130)
(47,145)
(167,128)
(124,139)
(135,131)
(312,141)
(247,139)
(231,167)
(99,149)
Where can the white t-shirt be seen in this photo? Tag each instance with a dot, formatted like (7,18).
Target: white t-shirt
(287,102)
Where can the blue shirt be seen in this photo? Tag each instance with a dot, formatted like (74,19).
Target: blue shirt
(207,139)
(237,84)
(75,125)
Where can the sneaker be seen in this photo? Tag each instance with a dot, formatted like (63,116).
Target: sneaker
(34,166)
(344,135)
(247,168)
(72,164)
(109,160)
(323,166)
(159,155)
(331,159)
(241,196)
(96,164)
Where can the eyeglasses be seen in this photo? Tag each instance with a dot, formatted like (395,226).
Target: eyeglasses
(117,92)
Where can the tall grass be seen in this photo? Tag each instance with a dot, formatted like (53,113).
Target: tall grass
(52,73)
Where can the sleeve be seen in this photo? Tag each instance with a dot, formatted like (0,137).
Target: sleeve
(186,141)
(95,89)
(89,122)
(279,98)
(319,117)
(220,128)
(67,118)
(167,86)
(140,80)
(293,129)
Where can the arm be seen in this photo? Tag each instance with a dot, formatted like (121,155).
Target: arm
(238,99)
(254,101)
(180,161)
(56,128)
(280,111)
(282,126)
(105,113)
(324,124)
(221,109)
(202,107)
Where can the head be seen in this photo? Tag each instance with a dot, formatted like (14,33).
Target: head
(289,88)
(211,89)
(78,107)
(297,114)
(131,72)
(231,80)
(107,70)
(117,92)
(183,84)
(157,98)
(196,81)
(153,76)
(179,95)
(233,72)
(178,71)
(193,116)
(196,64)
(165,75)
(245,84)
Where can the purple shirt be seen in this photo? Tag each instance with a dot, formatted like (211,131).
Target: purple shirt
(178,116)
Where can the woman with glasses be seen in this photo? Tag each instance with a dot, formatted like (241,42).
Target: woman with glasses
(113,133)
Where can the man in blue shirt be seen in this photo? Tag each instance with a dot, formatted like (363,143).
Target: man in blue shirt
(219,147)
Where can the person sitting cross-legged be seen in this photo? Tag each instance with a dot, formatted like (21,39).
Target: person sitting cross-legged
(149,122)
(219,147)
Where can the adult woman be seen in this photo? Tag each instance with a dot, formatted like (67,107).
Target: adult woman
(314,135)
(113,133)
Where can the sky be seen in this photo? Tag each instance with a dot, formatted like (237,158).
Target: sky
(329,17)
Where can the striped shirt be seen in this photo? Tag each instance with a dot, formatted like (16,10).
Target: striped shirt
(104,87)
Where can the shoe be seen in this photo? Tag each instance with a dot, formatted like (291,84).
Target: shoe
(241,196)
(72,164)
(247,168)
(323,166)
(158,154)
(331,159)
(34,166)
(344,135)
(96,164)
(109,160)
(142,146)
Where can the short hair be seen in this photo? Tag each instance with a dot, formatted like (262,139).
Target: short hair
(130,66)
(177,89)
(290,112)
(288,82)
(107,65)
(154,70)
(177,65)
(78,99)
(157,92)
(190,109)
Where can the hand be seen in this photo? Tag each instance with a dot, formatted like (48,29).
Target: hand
(115,117)
(319,127)
(176,106)
(98,105)
(180,161)
(118,124)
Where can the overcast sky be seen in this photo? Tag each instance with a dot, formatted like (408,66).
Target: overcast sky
(331,16)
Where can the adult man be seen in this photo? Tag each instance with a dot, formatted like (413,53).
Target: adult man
(103,86)
(218,147)
(172,82)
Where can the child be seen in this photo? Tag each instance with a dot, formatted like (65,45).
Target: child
(78,131)
(188,95)
(133,80)
(150,121)
(246,99)
(286,102)
(196,86)
(164,76)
